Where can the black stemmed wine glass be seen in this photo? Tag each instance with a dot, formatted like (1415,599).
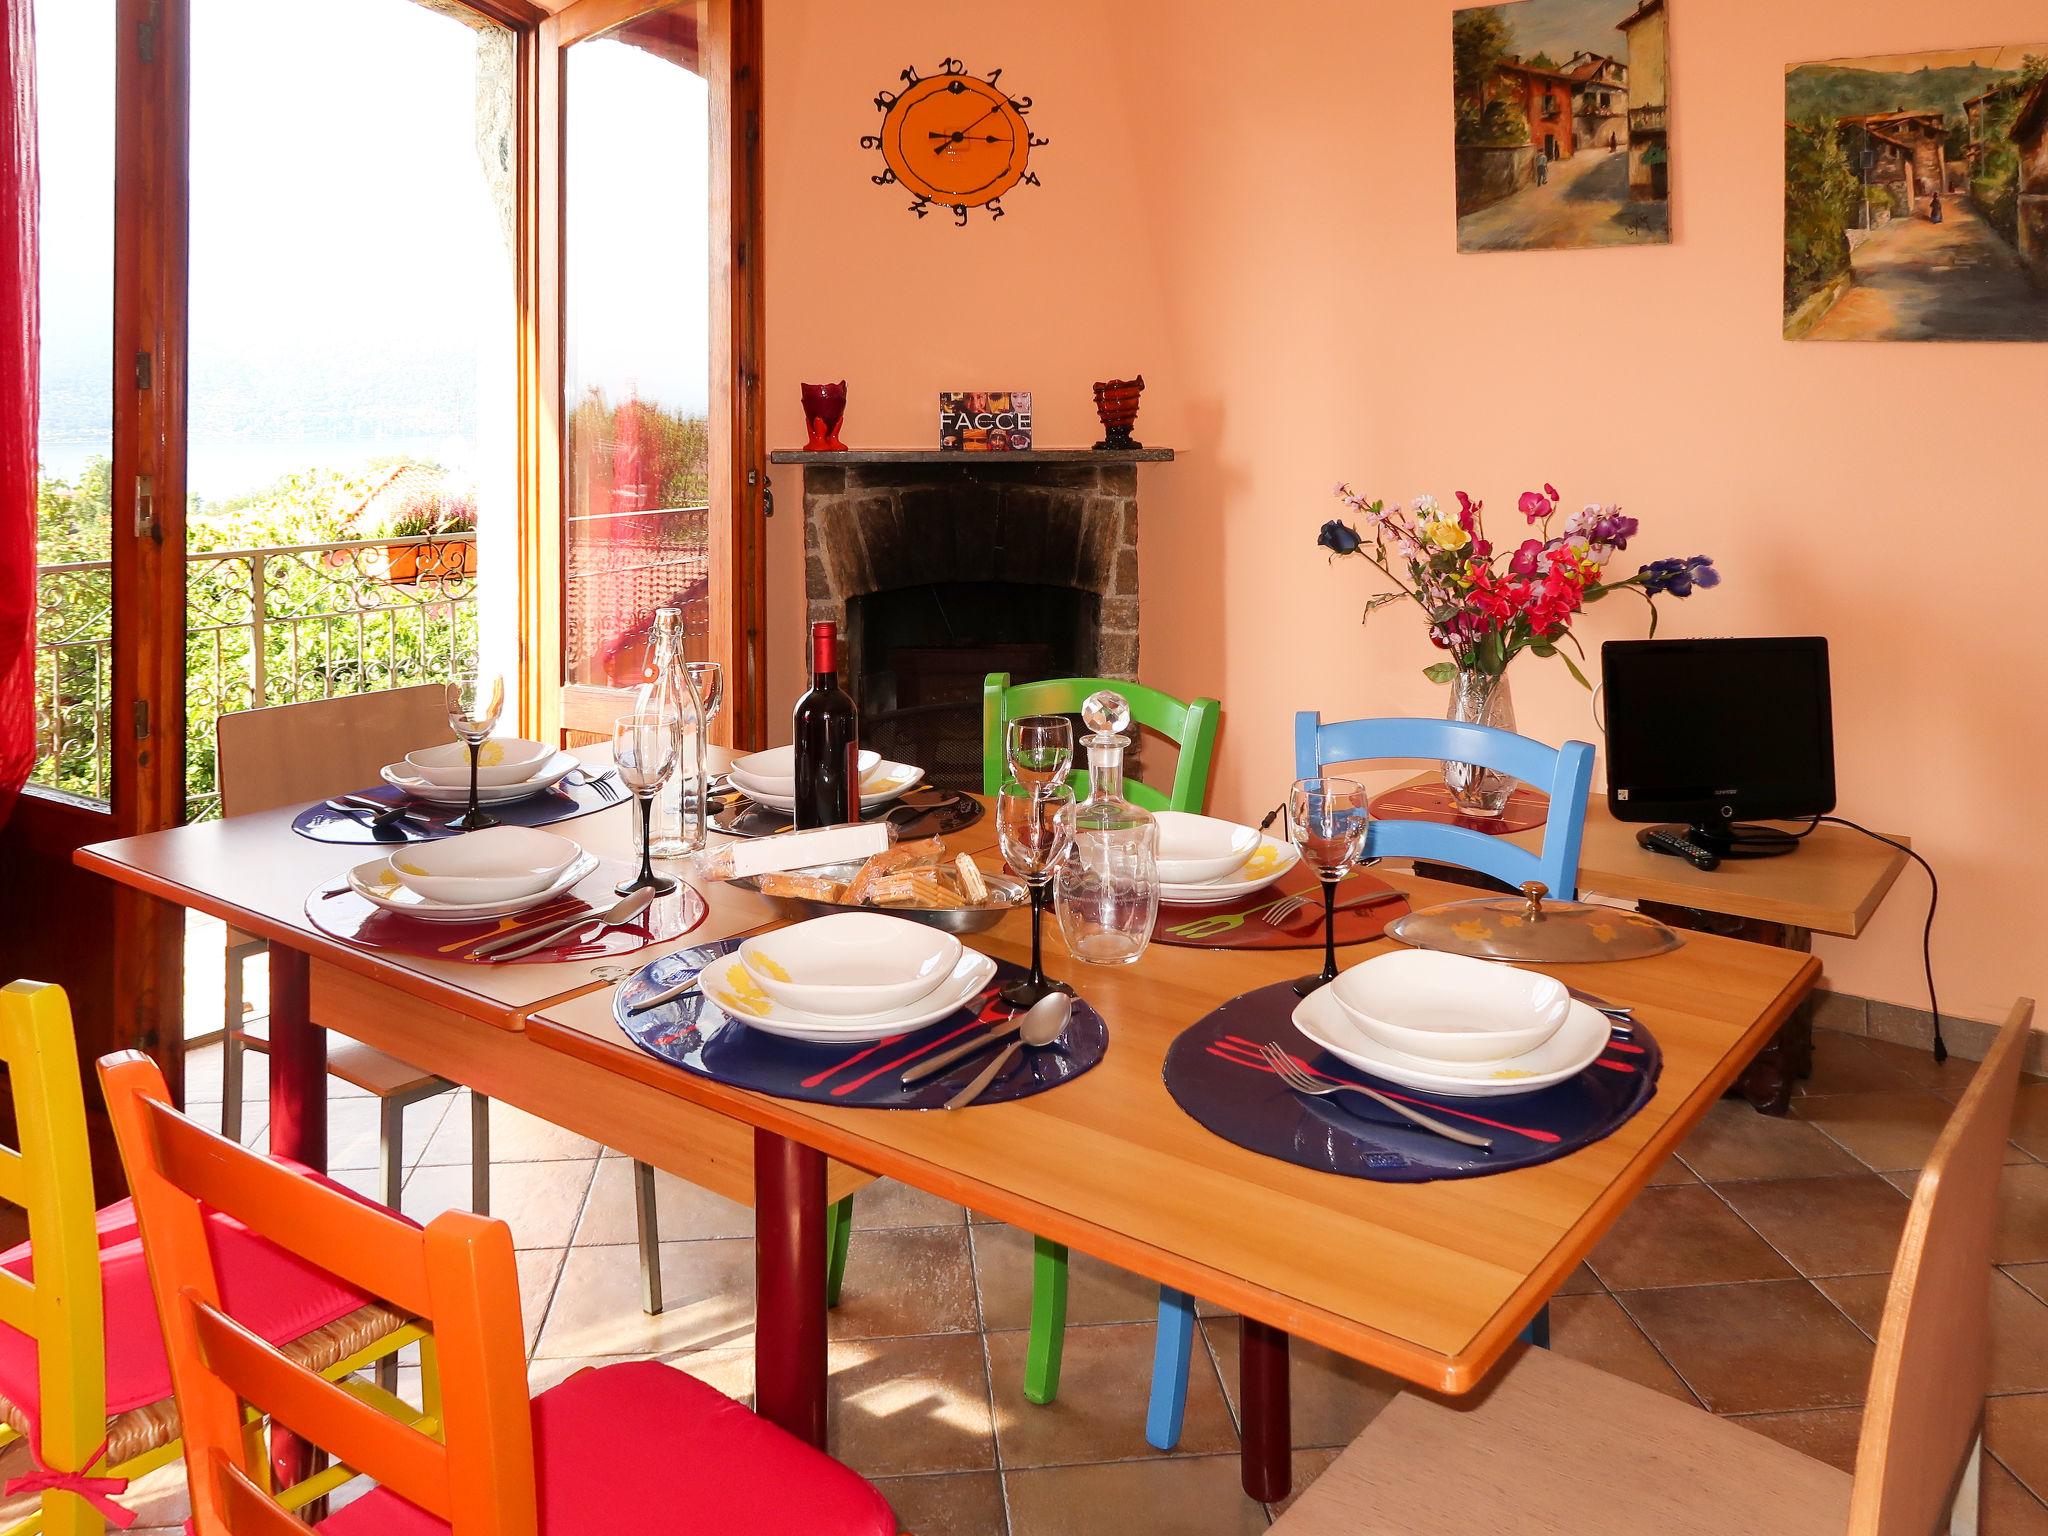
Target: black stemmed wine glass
(644,751)
(1034,827)
(1327,819)
(474,705)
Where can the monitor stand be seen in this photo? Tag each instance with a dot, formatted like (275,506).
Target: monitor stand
(1741,840)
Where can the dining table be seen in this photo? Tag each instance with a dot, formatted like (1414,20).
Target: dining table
(1432,1281)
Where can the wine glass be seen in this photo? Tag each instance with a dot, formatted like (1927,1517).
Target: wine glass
(644,751)
(474,704)
(1327,819)
(1034,827)
(1041,749)
(708,678)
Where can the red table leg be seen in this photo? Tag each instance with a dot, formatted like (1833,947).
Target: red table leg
(1267,1453)
(789,1286)
(298,1125)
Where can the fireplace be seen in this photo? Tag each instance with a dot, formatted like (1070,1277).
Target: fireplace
(942,568)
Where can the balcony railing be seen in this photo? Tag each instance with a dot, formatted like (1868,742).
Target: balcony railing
(270,625)
(1646,119)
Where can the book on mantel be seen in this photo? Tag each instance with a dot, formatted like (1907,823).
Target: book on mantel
(985,421)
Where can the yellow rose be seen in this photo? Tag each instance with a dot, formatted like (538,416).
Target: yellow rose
(1448,535)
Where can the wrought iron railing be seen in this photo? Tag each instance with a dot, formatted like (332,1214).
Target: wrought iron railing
(270,625)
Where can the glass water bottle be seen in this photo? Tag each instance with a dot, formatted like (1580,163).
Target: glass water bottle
(676,827)
(1107,887)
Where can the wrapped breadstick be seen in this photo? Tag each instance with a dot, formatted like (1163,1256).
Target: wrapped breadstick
(972,886)
(900,859)
(918,888)
(809,887)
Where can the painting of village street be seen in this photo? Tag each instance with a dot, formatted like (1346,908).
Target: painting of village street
(1560,124)
(1916,197)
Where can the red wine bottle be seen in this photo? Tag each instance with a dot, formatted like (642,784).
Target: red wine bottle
(826,732)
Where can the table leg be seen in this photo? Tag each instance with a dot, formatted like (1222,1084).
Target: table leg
(789,1286)
(1267,1455)
(298,1127)
(1788,1055)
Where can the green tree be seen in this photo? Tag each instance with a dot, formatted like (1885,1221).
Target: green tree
(1822,195)
(1485,114)
(1543,61)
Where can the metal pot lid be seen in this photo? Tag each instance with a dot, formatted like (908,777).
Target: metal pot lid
(1527,927)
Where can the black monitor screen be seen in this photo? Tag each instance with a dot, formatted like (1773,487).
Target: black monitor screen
(1710,730)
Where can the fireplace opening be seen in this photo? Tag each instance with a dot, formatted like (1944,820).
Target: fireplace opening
(917,658)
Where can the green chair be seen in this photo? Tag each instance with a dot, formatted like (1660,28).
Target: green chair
(1193,728)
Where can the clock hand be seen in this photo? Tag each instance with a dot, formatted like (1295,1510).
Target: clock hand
(951,138)
(960,134)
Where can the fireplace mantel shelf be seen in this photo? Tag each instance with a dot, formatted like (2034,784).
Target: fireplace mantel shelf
(974,460)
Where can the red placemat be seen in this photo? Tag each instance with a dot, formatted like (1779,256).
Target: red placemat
(1242,924)
(1526,808)
(340,913)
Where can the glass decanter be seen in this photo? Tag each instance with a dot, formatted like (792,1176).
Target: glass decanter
(676,825)
(1107,888)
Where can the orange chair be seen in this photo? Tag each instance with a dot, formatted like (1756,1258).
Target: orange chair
(632,1447)
(83,1374)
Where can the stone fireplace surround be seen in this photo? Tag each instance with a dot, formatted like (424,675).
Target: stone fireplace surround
(877,521)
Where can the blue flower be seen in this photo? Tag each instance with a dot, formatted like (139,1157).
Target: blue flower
(1679,577)
(1339,538)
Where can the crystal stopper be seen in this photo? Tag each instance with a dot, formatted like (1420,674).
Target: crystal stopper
(1106,713)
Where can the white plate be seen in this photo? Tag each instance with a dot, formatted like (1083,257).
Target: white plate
(729,987)
(850,965)
(775,770)
(1269,861)
(1196,850)
(375,883)
(1575,1047)
(501,760)
(1436,1007)
(888,782)
(493,864)
(551,773)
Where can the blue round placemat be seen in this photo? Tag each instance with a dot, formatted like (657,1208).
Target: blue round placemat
(1214,1072)
(695,1035)
(324,824)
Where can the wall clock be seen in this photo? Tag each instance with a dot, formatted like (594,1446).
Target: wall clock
(954,140)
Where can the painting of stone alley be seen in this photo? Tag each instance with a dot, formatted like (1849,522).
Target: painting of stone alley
(1560,113)
(1916,197)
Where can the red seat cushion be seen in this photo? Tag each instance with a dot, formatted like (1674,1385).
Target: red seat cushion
(271,1292)
(621,1450)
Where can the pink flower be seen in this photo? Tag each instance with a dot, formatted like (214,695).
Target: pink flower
(1536,506)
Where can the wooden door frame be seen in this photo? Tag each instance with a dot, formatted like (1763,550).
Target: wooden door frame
(737,554)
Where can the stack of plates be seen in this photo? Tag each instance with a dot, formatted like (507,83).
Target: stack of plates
(1205,862)
(1452,1025)
(769,778)
(507,769)
(846,980)
(474,877)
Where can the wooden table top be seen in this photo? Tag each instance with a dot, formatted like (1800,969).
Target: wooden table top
(1831,884)
(1429,1281)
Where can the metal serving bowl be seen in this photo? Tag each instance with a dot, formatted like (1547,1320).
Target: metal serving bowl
(1005,894)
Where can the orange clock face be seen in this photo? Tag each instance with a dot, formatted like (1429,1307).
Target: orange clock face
(955,140)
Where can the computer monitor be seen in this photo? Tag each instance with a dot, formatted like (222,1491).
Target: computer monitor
(1709,733)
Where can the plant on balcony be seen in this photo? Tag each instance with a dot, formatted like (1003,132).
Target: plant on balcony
(423,519)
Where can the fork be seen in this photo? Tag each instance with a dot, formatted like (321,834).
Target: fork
(1296,1076)
(602,783)
(1218,922)
(1283,913)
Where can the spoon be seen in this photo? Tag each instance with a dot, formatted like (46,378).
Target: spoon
(982,1042)
(522,943)
(1039,1025)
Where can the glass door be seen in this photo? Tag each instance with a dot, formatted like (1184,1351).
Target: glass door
(653,496)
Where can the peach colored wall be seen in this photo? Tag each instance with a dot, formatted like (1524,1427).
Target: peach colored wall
(1281,266)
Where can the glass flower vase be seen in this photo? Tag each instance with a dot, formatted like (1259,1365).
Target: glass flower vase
(1480,698)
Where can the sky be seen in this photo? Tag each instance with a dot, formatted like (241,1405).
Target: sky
(349,272)
(1995,56)
(1561,27)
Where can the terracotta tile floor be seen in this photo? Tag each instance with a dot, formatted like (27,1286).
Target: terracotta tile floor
(1748,1280)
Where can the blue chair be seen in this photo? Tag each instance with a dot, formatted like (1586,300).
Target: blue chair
(1566,773)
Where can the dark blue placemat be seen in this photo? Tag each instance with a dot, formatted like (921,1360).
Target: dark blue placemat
(693,1034)
(323,824)
(1214,1072)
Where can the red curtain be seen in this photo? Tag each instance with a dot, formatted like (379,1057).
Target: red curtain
(20,350)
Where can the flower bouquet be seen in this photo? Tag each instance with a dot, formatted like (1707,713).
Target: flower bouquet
(1486,606)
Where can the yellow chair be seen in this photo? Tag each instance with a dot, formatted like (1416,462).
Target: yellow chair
(55,1382)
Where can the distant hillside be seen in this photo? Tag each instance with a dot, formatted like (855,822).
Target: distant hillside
(1829,91)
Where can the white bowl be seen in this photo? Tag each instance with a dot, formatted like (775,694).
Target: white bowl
(734,991)
(1272,859)
(1575,1047)
(551,772)
(495,864)
(852,963)
(1437,1007)
(501,760)
(1194,849)
(888,781)
(774,771)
